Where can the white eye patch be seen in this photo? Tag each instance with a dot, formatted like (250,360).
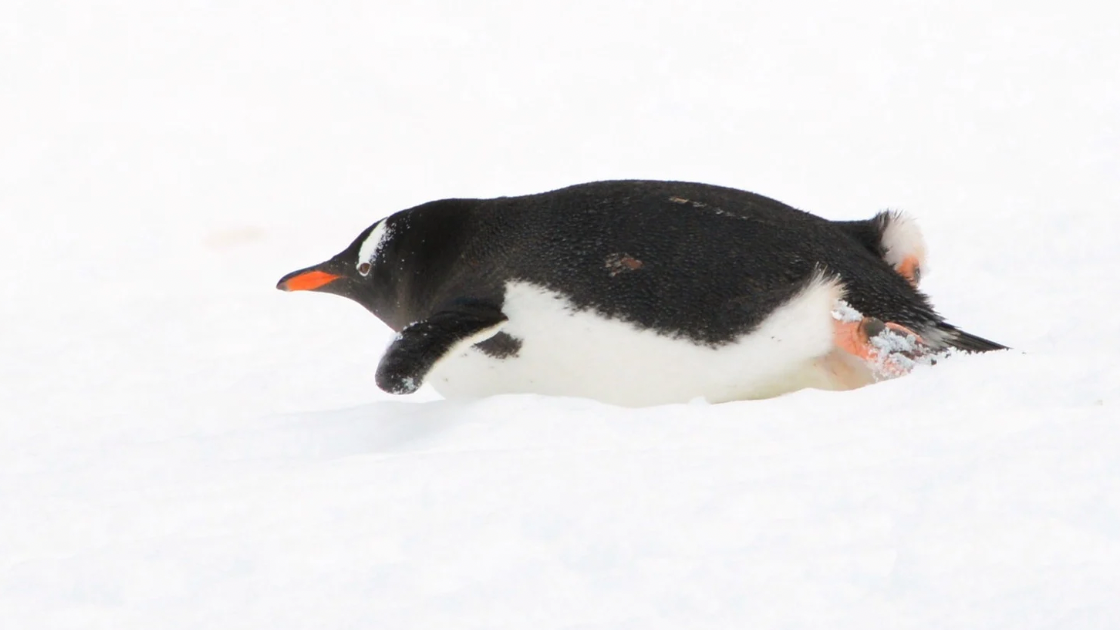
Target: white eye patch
(371,247)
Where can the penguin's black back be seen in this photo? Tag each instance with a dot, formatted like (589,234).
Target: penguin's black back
(692,260)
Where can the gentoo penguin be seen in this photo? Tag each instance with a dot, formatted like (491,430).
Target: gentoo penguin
(638,293)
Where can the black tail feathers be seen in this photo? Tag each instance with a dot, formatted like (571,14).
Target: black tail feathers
(959,339)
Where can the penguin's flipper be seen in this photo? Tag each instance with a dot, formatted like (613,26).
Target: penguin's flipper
(422,344)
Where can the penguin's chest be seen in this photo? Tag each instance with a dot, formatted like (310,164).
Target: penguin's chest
(554,348)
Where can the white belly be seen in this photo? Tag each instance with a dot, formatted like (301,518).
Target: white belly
(581,353)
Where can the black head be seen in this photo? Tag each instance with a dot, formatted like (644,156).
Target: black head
(398,267)
(350,273)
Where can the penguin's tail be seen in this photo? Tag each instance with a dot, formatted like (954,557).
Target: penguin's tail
(954,337)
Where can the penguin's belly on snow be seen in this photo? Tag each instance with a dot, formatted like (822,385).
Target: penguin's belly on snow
(569,352)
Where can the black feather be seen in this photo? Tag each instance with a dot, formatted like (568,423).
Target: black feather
(968,342)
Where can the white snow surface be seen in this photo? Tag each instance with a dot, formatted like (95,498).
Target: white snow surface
(183,446)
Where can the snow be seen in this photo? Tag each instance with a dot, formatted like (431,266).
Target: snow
(183,446)
(844,312)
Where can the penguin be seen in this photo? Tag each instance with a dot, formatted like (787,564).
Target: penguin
(639,293)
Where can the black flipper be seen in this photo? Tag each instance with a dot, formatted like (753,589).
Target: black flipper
(420,345)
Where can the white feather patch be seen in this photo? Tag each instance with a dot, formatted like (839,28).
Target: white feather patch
(569,352)
(902,238)
(371,247)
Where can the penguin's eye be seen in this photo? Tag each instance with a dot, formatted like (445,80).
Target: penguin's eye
(364,269)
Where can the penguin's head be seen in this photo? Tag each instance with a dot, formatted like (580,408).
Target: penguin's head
(351,273)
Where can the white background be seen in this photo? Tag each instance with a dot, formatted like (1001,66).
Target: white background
(181,445)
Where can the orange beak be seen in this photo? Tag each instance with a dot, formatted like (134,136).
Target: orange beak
(307,281)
